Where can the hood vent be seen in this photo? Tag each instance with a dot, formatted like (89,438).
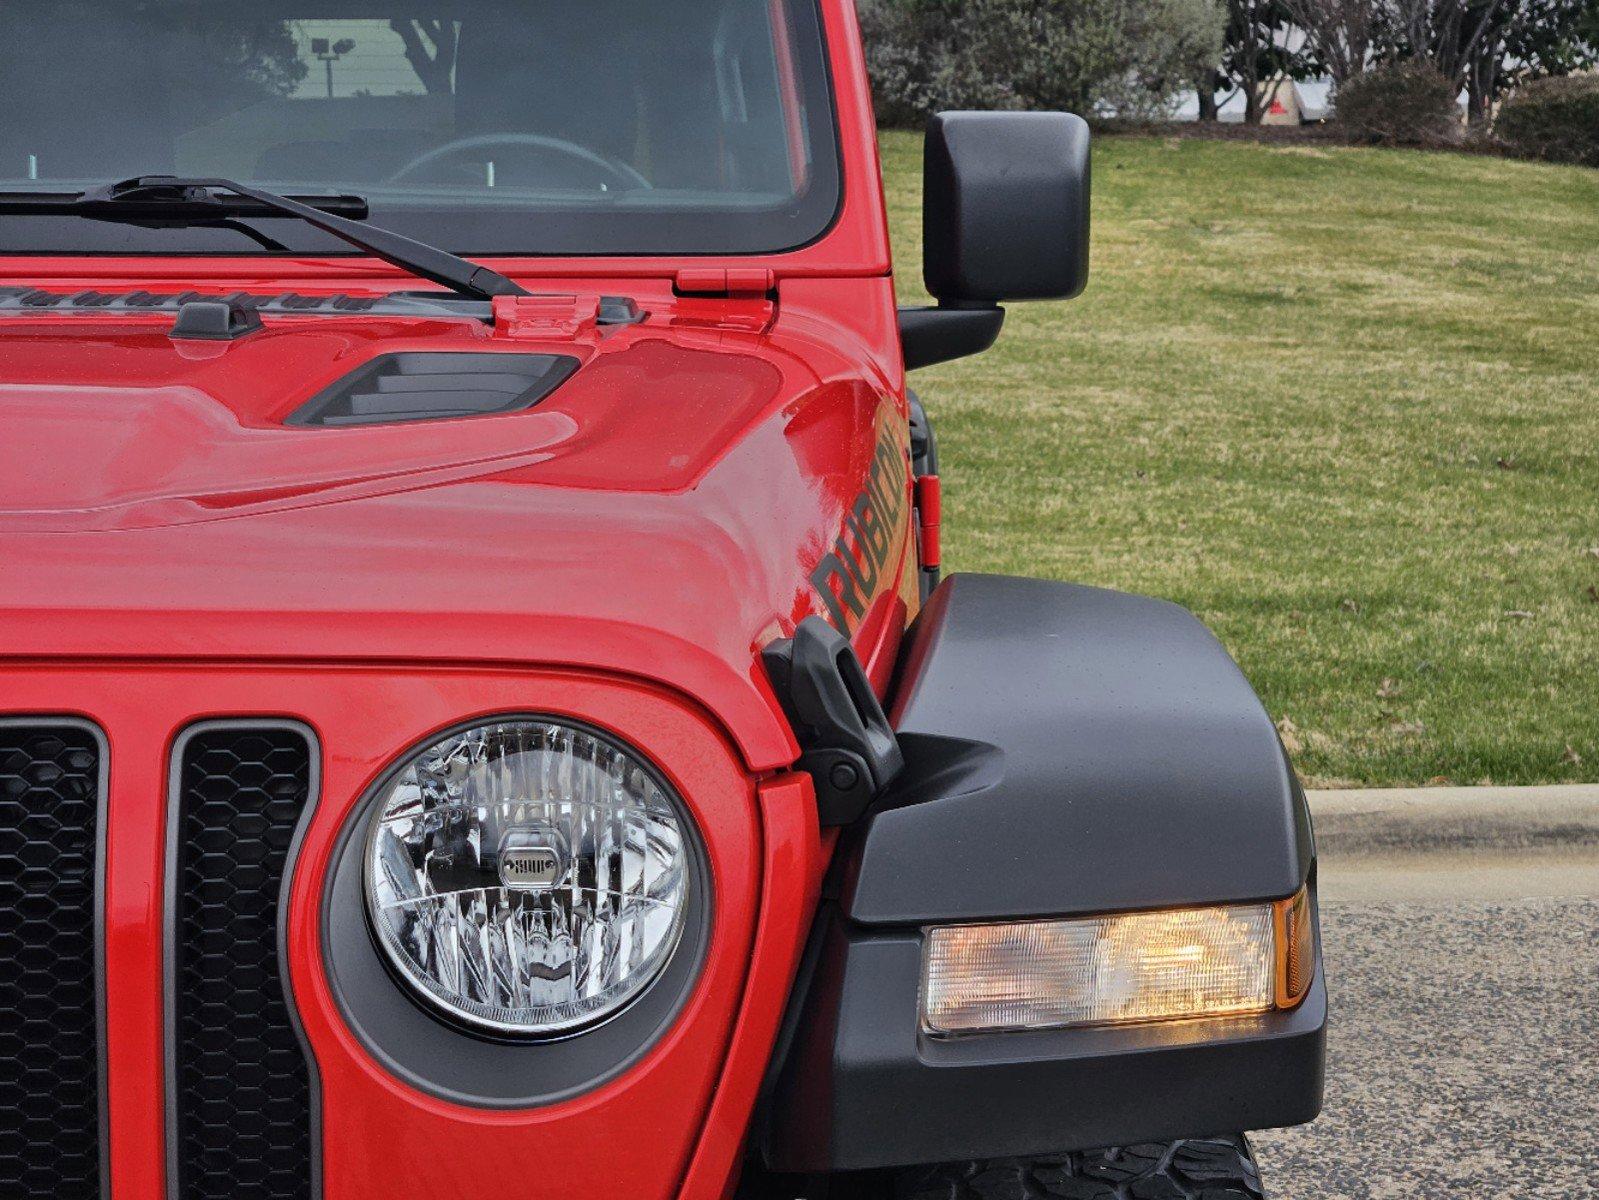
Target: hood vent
(432,387)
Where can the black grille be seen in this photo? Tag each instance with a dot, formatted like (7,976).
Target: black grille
(49,1026)
(243,1086)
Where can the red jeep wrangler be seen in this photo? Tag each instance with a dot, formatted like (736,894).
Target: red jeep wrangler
(488,723)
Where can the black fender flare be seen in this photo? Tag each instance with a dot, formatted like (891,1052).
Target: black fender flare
(1073,750)
(1068,751)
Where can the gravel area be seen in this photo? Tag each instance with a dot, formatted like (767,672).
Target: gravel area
(1463,1055)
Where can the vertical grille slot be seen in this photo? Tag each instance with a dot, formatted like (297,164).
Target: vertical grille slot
(51,799)
(242,1086)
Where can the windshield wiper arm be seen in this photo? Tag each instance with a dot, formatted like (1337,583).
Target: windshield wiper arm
(175,198)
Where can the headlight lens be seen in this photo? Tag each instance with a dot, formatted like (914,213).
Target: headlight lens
(1115,970)
(528,877)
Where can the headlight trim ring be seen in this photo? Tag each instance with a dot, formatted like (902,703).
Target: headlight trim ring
(474,1067)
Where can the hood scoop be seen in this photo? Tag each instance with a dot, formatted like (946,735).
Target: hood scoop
(399,388)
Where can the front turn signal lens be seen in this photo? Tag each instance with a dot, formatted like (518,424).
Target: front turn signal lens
(1296,949)
(1122,969)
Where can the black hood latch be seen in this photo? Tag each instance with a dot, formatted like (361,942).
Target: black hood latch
(849,748)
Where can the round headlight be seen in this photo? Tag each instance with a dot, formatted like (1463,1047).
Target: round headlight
(527,877)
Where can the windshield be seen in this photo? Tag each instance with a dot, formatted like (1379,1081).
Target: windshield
(484,126)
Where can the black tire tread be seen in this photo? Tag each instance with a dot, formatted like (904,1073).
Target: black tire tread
(1218,1168)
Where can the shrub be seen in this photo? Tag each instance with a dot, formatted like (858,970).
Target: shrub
(1556,119)
(1405,103)
(914,56)
(1095,57)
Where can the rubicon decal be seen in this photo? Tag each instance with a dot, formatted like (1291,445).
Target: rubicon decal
(849,576)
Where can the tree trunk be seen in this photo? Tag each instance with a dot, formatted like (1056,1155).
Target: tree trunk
(1208,83)
(1482,86)
(436,70)
(1246,55)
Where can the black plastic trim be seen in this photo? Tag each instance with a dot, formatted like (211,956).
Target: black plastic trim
(1071,750)
(863,1087)
(924,437)
(169,924)
(102,1065)
(928,336)
(1068,751)
(849,750)
(422,1049)
(215,321)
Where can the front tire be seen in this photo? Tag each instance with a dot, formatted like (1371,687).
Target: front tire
(1218,1168)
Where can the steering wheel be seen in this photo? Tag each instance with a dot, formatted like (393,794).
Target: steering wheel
(614,169)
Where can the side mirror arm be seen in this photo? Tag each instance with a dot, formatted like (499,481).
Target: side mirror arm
(947,332)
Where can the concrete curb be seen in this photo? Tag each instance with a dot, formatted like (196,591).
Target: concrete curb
(1426,820)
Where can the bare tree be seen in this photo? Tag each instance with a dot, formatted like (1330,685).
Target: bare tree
(1245,36)
(435,67)
(1529,38)
(1482,46)
(1447,33)
(1257,50)
(1338,33)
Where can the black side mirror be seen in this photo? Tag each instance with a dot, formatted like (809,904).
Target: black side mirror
(1006,201)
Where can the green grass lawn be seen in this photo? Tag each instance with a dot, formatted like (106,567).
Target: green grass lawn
(1343,404)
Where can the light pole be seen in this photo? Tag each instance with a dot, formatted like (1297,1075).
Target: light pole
(330,53)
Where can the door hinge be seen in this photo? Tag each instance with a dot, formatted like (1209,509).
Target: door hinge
(732,301)
(930,516)
(741,283)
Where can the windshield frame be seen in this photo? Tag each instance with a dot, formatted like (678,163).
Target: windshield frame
(623,230)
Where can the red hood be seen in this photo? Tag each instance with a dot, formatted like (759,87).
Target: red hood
(659,514)
(117,426)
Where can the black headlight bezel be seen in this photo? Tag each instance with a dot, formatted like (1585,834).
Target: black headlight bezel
(418,1042)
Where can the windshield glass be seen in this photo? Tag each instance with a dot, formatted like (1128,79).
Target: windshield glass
(483,126)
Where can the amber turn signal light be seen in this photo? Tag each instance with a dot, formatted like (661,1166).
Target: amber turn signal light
(1126,968)
(1296,949)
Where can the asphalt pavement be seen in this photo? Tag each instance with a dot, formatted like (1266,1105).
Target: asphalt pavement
(1463,1054)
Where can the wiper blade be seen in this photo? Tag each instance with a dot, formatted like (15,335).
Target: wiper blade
(170,198)
(140,199)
